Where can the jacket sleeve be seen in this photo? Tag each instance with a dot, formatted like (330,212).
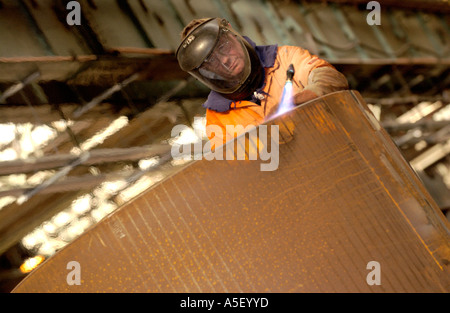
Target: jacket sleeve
(317,76)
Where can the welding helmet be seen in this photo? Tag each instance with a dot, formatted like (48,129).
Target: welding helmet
(221,59)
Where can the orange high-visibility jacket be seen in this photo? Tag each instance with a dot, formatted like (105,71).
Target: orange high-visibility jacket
(247,113)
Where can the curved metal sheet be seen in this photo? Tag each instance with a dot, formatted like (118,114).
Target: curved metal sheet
(341,197)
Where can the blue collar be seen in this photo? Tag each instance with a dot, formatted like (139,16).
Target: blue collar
(267,56)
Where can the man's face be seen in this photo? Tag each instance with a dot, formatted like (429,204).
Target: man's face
(228,58)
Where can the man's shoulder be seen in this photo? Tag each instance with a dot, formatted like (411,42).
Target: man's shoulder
(293,54)
(287,49)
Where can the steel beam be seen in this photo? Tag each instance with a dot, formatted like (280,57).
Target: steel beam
(97,156)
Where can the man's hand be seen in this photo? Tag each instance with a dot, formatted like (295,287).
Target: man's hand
(304,96)
(321,81)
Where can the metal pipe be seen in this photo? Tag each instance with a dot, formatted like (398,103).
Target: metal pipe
(63,172)
(105,95)
(19,86)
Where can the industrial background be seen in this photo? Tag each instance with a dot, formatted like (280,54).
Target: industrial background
(86,111)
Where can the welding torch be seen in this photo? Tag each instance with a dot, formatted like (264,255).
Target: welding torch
(290,73)
(286,102)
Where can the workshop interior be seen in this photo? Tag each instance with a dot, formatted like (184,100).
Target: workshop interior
(91,90)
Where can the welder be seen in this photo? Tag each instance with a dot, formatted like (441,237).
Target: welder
(247,80)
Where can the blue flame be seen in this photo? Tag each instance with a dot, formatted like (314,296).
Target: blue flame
(287,101)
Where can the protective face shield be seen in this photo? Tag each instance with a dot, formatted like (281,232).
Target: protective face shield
(221,59)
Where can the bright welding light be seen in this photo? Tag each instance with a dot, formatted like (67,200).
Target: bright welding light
(31,264)
(287,101)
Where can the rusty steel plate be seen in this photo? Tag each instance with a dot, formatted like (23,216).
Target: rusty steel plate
(342,204)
